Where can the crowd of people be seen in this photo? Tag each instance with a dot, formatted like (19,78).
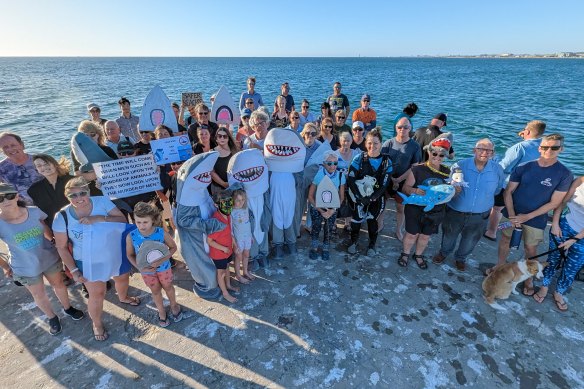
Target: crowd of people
(46,203)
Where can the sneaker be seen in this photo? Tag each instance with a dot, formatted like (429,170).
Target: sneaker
(325,255)
(74,313)
(55,325)
(313,254)
(352,249)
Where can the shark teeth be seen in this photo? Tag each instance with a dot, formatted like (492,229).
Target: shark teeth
(205,178)
(282,151)
(251,174)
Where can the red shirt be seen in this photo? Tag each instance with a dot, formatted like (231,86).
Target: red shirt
(222,237)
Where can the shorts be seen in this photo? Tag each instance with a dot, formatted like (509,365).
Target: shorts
(499,199)
(393,192)
(30,281)
(221,264)
(163,277)
(531,236)
(420,222)
(244,243)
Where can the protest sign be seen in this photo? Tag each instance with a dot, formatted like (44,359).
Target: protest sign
(173,149)
(128,176)
(190,99)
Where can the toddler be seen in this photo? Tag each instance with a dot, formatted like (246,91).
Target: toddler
(242,234)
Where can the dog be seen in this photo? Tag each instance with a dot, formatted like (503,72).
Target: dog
(503,279)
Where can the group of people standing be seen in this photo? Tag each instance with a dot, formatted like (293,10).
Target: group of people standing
(44,203)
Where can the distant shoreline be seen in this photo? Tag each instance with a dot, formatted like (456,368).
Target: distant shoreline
(562,55)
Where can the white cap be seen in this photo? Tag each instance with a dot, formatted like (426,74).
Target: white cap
(358,124)
(91,106)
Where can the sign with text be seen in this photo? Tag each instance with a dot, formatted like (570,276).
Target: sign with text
(173,149)
(190,99)
(128,177)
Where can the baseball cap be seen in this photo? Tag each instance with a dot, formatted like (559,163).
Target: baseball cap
(358,124)
(245,112)
(365,97)
(7,188)
(441,116)
(91,106)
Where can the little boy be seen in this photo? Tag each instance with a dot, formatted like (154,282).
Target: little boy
(221,244)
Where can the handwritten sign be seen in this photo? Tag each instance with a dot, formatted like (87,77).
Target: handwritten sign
(190,99)
(173,149)
(128,176)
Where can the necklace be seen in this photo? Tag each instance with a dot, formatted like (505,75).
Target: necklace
(436,171)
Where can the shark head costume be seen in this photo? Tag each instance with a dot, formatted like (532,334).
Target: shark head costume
(194,209)
(86,151)
(284,152)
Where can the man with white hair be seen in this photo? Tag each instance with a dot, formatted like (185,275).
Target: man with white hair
(479,179)
(114,135)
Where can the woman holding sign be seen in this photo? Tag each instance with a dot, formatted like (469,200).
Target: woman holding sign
(68,228)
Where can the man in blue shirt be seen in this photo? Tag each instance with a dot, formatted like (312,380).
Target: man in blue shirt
(534,189)
(251,93)
(519,153)
(127,122)
(467,213)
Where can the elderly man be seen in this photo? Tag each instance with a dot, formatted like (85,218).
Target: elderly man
(534,189)
(366,114)
(17,168)
(425,135)
(338,100)
(128,123)
(259,122)
(467,213)
(251,93)
(285,92)
(114,135)
(519,153)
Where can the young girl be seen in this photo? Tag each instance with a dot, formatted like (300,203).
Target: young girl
(159,275)
(242,233)
(221,244)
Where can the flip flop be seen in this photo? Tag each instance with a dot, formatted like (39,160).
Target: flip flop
(538,298)
(528,291)
(562,306)
(133,301)
(489,238)
(100,337)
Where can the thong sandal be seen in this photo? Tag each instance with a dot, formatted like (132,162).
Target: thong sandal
(100,337)
(562,306)
(403,260)
(539,298)
(527,291)
(421,262)
(133,301)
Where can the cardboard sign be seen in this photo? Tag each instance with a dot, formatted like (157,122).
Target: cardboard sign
(173,149)
(190,99)
(128,177)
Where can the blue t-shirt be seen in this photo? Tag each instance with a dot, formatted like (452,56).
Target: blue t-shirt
(536,187)
(402,155)
(337,178)
(156,236)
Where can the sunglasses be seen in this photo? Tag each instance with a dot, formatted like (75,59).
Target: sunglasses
(341,117)
(125,153)
(330,163)
(249,102)
(327,126)
(365,101)
(481,150)
(305,106)
(8,196)
(358,129)
(83,193)
(295,117)
(403,127)
(311,133)
(221,136)
(144,132)
(203,113)
(438,155)
(554,148)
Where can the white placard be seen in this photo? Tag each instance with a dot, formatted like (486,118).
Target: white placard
(173,149)
(128,176)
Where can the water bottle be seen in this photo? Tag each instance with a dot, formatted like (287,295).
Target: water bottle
(516,238)
(504,225)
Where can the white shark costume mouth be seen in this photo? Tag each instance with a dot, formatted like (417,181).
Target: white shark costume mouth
(248,175)
(205,178)
(284,151)
(281,150)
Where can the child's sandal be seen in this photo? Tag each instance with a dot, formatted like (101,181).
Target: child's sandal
(163,322)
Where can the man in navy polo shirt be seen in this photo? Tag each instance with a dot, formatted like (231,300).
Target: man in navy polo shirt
(468,212)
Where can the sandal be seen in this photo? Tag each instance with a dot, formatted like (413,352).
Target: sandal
(538,297)
(100,337)
(403,259)
(527,291)
(163,322)
(178,317)
(421,262)
(562,306)
(133,301)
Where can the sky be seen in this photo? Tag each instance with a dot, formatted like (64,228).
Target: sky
(216,28)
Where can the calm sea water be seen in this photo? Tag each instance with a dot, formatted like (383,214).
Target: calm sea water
(43,99)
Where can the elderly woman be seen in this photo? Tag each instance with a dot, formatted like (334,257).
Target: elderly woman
(17,168)
(68,227)
(420,225)
(280,116)
(345,155)
(49,193)
(568,231)
(32,256)
(326,216)
(226,147)
(404,152)
(327,133)
(259,122)
(368,178)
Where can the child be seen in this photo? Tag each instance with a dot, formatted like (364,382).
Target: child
(242,234)
(326,216)
(221,243)
(159,275)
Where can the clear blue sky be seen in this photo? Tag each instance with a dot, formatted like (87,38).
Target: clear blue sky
(299,28)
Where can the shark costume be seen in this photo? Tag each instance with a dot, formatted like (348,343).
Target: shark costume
(284,152)
(194,208)
(249,169)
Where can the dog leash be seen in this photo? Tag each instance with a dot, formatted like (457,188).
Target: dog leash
(560,249)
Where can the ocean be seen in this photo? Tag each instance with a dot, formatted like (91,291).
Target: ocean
(44,99)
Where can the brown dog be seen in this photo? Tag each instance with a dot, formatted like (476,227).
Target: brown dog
(503,279)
